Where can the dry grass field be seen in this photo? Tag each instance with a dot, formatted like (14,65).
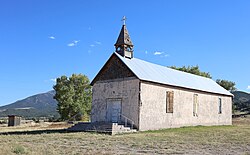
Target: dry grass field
(188,140)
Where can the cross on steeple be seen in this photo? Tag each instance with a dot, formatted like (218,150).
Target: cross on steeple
(124,20)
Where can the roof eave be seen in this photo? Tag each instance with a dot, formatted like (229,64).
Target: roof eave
(231,95)
(93,81)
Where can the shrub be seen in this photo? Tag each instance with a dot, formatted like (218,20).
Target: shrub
(18,149)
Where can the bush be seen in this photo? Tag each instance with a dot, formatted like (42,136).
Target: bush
(18,149)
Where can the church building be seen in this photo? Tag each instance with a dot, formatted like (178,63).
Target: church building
(150,96)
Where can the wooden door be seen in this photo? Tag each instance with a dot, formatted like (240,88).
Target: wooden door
(113,110)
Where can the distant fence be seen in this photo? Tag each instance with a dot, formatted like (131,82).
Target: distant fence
(240,115)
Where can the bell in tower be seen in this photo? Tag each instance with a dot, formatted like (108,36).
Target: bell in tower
(124,45)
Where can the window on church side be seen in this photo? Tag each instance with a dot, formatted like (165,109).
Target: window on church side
(195,105)
(169,101)
(220,106)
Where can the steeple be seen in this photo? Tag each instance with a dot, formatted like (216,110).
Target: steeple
(124,45)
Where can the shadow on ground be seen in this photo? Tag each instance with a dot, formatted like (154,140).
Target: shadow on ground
(35,132)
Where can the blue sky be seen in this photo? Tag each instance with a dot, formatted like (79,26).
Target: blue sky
(42,40)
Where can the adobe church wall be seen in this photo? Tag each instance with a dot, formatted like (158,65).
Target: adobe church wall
(153,108)
(126,89)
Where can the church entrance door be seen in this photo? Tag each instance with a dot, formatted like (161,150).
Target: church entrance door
(114,110)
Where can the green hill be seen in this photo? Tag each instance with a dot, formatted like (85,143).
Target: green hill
(40,105)
(242,101)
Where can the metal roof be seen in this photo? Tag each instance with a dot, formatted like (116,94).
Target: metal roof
(160,74)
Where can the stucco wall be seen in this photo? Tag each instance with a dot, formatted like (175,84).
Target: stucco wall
(153,108)
(126,89)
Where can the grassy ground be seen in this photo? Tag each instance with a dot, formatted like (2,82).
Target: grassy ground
(189,140)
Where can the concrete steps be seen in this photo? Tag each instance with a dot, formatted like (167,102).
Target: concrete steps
(101,127)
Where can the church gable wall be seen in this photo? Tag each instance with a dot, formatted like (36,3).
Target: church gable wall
(114,69)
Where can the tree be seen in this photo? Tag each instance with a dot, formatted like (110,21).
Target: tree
(193,70)
(228,85)
(74,96)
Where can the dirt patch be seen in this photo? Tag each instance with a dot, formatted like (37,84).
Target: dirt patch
(58,125)
(242,120)
(32,126)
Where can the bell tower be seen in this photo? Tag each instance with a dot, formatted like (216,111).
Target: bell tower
(124,45)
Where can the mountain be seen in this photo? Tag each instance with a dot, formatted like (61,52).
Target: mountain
(242,101)
(40,105)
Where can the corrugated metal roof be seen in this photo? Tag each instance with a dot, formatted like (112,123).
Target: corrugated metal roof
(156,73)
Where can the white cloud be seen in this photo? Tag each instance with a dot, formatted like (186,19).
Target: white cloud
(95,43)
(74,43)
(54,80)
(98,43)
(71,44)
(158,53)
(161,54)
(50,80)
(52,37)
(248,87)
